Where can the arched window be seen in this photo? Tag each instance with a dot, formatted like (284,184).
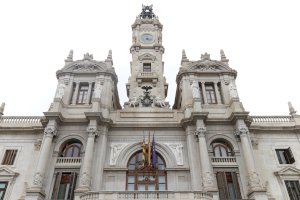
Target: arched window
(71,149)
(221,149)
(144,178)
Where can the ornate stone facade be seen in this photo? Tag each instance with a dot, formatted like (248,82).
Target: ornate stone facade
(207,135)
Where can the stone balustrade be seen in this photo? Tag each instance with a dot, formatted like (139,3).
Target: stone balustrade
(271,119)
(66,162)
(146,195)
(223,161)
(20,121)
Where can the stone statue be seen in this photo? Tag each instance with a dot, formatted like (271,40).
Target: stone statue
(195,89)
(177,149)
(158,101)
(291,109)
(2,108)
(232,90)
(133,102)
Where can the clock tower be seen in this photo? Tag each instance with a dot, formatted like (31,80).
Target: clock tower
(147,86)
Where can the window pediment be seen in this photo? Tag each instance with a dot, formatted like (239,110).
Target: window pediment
(147,56)
(7,172)
(288,171)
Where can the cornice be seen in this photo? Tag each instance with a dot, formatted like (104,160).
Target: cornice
(193,118)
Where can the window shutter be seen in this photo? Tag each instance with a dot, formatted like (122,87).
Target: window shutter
(222,186)
(236,185)
(73,184)
(292,159)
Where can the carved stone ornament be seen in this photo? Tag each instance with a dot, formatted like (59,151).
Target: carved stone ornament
(195,89)
(242,131)
(232,90)
(60,90)
(254,181)
(147,56)
(177,149)
(38,180)
(200,132)
(92,131)
(98,90)
(115,150)
(208,179)
(37,144)
(51,131)
(85,179)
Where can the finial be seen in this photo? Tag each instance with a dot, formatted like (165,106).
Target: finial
(70,56)
(2,109)
(184,57)
(147,12)
(109,57)
(223,57)
(205,56)
(292,109)
(88,56)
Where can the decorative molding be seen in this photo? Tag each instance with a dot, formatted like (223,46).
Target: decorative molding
(147,56)
(177,150)
(115,150)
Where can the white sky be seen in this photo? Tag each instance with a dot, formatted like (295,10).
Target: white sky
(260,37)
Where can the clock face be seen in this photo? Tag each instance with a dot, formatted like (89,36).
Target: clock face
(147,38)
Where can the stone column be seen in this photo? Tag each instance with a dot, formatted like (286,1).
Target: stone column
(101,153)
(49,132)
(253,176)
(217,93)
(204,92)
(86,167)
(193,162)
(75,95)
(209,182)
(89,93)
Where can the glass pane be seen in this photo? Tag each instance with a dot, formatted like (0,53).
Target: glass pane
(161,179)
(140,178)
(151,178)
(130,179)
(151,187)
(2,185)
(141,187)
(131,167)
(1,194)
(130,187)
(162,187)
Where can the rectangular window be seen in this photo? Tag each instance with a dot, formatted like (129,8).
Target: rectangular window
(293,189)
(228,186)
(146,67)
(3,186)
(64,187)
(210,93)
(83,93)
(285,156)
(9,157)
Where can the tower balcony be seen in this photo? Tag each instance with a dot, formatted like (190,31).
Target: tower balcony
(151,77)
(224,161)
(146,195)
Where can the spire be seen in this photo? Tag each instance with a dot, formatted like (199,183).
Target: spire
(223,57)
(205,56)
(184,57)
(292,109)
(2,109)
(88,56)
(109,57)
(70,56)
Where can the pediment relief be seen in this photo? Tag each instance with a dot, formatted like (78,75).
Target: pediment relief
(85,66)
(147,56)
(7,172)
(288,171)
(208,66)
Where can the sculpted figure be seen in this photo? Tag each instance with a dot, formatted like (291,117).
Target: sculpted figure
(60,90)
(133,102)
(232,90)
(158,101)
(195,89)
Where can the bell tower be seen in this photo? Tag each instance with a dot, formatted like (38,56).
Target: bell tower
(147,86)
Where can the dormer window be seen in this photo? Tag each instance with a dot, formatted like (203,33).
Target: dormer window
(146,67)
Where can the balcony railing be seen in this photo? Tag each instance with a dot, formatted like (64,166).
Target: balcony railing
(146,195)
(20,121)
(66,162)
(223,161)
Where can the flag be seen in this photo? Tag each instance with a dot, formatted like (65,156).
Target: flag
(154,156)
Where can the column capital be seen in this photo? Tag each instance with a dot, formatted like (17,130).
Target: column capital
(200,132)
(92,131)
(50,131)
(242,131)
(254,181)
